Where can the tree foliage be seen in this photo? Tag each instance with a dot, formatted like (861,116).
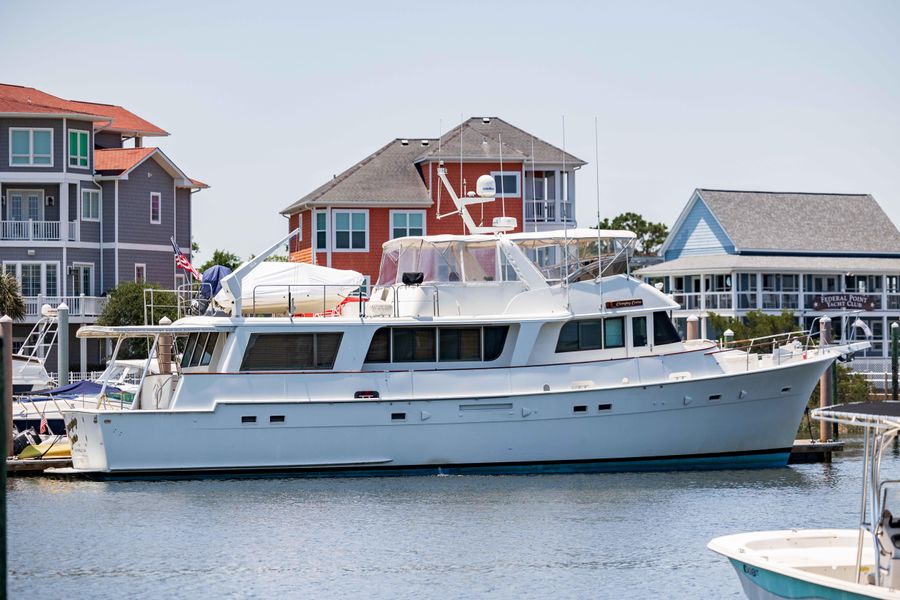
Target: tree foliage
(650,236)
(11,302)
(223,258)
(755,324)
(125,306)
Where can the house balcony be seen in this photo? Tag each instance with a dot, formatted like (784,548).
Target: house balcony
(547,211)
(38,231)
(82,309)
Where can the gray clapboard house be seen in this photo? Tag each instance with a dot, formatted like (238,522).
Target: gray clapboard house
(731,252)
(81,212)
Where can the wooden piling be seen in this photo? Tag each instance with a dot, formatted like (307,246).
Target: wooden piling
(6,335)
(825,380)
(693,327)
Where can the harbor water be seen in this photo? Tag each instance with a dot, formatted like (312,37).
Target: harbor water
(628,535)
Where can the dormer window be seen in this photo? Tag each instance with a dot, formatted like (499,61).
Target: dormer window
(78,148)
(30,147)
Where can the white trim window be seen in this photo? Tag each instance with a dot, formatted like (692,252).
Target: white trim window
(35,278)
(507,183)
(140,272)
(30,147)
(320,237)
(407,222)
(79,149)
(90,205)
(83,278)
(351,230)
(155,208)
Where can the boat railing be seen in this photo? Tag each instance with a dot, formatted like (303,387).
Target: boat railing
(186,299)
(782,346)
(295,291)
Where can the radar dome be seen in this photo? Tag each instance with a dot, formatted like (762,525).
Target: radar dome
(486,186)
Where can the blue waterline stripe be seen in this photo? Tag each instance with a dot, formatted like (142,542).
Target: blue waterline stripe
(787,587)
(755,460)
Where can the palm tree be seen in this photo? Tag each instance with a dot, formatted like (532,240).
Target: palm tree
(11,302)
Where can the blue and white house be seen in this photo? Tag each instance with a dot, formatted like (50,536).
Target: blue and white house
(731,252)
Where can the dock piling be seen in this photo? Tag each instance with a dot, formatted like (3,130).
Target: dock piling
(825,380)
(894,327)
(62,343)
(6,389)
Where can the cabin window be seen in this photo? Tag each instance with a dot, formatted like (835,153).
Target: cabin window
(460,344)
(663,330)
(428,344)
(592,334)
(291,351)
(638,331)
(413,344)
(380,347)
(614,332)
(198,349)
(494,340)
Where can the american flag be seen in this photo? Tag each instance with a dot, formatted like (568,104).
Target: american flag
(44,424)
(182,262)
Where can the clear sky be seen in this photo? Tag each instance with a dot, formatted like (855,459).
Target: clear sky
(266,100)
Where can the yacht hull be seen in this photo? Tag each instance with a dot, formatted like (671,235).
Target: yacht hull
(746,419)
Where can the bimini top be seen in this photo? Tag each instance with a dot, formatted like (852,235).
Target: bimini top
(881,415)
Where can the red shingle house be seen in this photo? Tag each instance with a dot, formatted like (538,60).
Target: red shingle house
(395,192)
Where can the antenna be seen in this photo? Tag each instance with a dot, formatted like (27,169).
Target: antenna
(599,252)
(461,187)
(534,186)
(565,217)
(502,187)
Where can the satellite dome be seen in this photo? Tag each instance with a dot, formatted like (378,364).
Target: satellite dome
(486,186)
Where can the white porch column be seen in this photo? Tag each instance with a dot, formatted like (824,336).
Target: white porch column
(570,176)
(64,235)
(703,305)
(759,291)
(557,181)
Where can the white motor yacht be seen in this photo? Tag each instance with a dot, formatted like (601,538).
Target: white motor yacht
(488,352)
(831,563)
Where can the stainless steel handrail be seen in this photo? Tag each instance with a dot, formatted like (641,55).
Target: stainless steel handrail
(289,287)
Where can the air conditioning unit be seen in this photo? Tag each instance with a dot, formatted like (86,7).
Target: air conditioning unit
(51,201)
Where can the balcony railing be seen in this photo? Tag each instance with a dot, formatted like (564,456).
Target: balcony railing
(37,231)
(79,306)
(540,211)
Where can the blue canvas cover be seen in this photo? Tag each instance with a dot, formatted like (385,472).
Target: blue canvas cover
(212,281)
(85,387)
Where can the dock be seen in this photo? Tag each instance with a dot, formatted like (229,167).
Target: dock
(811,451)
(34,466)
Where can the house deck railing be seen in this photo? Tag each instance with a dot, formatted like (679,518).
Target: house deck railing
(79,306)
(38,231)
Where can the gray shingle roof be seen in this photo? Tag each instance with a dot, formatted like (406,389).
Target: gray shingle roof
(387,176)
(726,263)
(390,175)
(791,222)
(493,129)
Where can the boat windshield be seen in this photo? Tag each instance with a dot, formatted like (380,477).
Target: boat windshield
(451,260)
(579,256)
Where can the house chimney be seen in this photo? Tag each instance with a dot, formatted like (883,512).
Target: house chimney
(424,142)
(404,142)
(485,120)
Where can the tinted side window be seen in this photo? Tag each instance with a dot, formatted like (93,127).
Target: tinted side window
(568,337)
(290,351)
(380,348)
(638,331)
(414,344)
(614,332)
(494,339)
(460,344)
(663,330)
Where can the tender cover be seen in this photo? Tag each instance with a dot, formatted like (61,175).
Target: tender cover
(85,387)
(312,287)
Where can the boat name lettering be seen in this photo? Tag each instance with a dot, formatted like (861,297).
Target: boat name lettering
(751,571)
(625,303)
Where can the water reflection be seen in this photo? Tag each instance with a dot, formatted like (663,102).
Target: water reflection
(627,535)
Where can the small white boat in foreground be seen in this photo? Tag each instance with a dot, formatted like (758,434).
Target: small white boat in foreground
(831,563)
(28,370)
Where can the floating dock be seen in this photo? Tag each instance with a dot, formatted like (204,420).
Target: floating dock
(811,451)
(34,466)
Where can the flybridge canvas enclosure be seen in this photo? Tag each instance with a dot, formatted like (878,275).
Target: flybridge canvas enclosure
(477,258)
(279,287)
(580,254)
(444,259)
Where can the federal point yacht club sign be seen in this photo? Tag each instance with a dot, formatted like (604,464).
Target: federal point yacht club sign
(625,303)
(843,302)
